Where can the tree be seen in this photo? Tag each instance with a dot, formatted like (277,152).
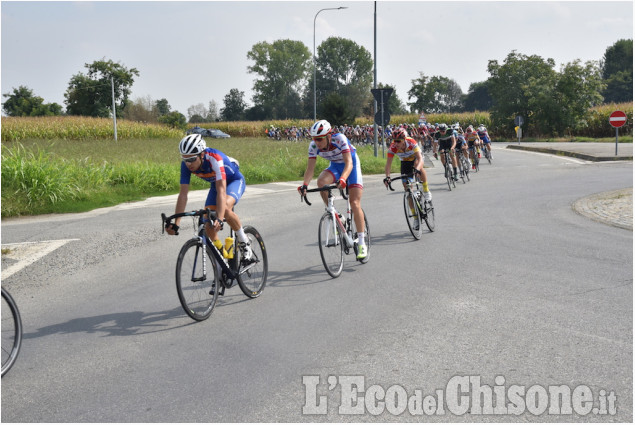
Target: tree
(550,102)
(477,98)
(617,72)
(174,119)
(283,67)
(22,103)
(141,109)
(346,68)
(235,106)
(435,94)
(509,83)
(91,94)
(212,112)
(162,106)
(336,110)
(197,113)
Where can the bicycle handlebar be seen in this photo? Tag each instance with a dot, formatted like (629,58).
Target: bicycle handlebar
(328,187)
(389,179)
(166,221)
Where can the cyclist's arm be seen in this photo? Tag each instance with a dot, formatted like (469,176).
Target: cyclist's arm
(221,200)
(388,168)
(181,203)
(310,168)
(418,161)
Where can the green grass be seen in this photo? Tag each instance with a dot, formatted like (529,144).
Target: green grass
(61,176)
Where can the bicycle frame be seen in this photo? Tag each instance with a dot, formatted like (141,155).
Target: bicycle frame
(337,221)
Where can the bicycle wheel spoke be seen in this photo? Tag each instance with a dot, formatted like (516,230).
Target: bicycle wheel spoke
(197,290)
(252,273)
(11,331)
(412,215)
(331,245)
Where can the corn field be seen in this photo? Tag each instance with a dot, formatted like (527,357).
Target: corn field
(15,129)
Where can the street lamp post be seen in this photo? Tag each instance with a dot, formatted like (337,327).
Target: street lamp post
(314,72)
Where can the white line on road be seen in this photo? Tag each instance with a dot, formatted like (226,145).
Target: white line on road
(26,253)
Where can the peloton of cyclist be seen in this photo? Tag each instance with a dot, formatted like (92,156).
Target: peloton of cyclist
(484,136)
(408,151)
(447,141)
(344,170)
(227,187)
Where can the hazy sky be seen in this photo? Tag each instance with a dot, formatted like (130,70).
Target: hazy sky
(195,52)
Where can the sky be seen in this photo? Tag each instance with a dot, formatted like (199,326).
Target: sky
(195,52)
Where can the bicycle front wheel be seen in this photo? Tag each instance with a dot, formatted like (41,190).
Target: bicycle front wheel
(252,274)
(197,288)
(11,331)
(331,245)
(428,215)
(412,215)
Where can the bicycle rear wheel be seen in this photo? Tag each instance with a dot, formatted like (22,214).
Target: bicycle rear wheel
(252,274)
(412,215)
(11,331)
(448,174)
(197,291)
(428,215)
(366,236)
(331,245)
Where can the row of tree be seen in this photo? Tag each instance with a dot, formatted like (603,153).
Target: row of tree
(551,101)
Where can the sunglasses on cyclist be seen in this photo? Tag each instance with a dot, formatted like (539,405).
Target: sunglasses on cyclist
(189,160)
(319,139)
(399,140)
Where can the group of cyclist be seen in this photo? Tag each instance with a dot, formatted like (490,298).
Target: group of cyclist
(227,184)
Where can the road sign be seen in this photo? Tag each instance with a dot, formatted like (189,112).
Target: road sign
(382,96)
(519,121)
(617,119)
(385,117)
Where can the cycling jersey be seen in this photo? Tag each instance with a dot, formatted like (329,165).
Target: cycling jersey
(339,145)
(217,166)
(406,154)
(484,136)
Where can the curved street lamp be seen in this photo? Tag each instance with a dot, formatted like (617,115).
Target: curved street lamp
(314,73)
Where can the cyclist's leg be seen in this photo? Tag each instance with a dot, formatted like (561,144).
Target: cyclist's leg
(326,177)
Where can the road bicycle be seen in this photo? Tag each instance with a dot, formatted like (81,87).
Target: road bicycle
(11,331)
(448,172)
(464,165)
(486,153)
(204,271)
(338,236)
(475,158)
(416,209)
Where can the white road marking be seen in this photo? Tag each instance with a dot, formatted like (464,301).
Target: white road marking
(26,253)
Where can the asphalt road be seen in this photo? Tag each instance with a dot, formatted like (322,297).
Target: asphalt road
(514,293)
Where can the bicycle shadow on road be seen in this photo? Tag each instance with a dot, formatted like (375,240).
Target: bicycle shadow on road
(289,278)
(394,238)
(116,324)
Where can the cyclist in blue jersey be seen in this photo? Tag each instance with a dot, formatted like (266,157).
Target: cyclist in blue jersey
(345,170)
(227,187)
(484,136)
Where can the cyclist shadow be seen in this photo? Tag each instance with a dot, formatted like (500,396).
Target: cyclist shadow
(289,278)
(115,324)
(394,238)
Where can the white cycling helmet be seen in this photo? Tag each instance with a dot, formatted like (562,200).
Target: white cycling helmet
(320,128)
(192,144)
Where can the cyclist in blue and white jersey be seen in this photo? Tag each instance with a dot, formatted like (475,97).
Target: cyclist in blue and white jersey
(345,170)
(484,136)
(227,187)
